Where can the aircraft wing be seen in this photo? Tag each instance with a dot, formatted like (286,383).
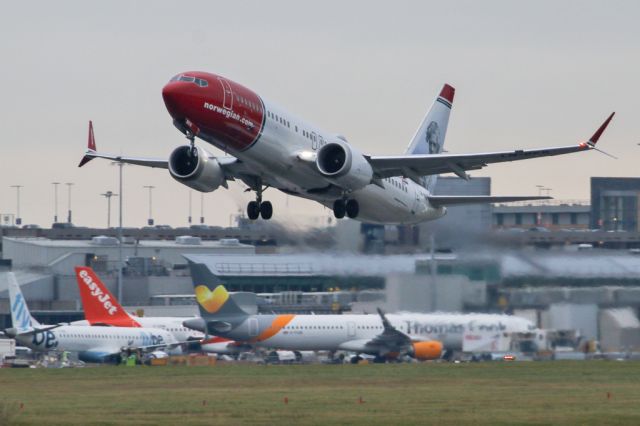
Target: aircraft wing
(138,161)
(391,340)
(432,164)
(449,200)
(232,167)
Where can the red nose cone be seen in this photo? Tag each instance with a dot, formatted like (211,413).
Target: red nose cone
(171,94)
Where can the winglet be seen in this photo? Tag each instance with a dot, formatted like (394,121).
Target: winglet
(594,139)
(91,146)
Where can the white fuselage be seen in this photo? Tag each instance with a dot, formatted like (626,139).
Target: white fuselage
(275,158)
(172,325)
(96,340)
(334,332)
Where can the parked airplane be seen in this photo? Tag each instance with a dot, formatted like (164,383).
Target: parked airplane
(422,336)
(102,308)
(271,148)
(93,344)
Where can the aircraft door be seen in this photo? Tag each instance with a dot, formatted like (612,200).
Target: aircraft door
(253,327)
(351,329)
(227,92)
(416,199)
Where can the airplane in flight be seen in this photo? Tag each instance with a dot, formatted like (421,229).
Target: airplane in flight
(266,146)
(93,343)
(103,309)
(422,336)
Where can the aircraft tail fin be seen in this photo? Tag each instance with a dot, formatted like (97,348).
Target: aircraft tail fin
(214,301)
(100,306)
(430,136)
(91,146)
(20,316)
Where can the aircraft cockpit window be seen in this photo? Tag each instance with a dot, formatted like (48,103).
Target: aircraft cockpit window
(199,81)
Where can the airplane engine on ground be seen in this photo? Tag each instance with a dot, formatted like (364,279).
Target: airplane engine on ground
(427,350)
(201,172)
(344,166)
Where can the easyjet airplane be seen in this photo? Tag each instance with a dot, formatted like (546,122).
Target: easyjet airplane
(269,147)
(422,336)
(102,308)
(93,344)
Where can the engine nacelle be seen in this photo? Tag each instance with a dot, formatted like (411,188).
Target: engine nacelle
(427,350)
(344,166)
(201,172)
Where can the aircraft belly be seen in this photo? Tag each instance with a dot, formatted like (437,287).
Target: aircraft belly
(274,158)
(304,342)
(381,206)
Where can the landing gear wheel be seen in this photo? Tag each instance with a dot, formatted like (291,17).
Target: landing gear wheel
(253,210)
(339,209)
(352,208)
(266,210)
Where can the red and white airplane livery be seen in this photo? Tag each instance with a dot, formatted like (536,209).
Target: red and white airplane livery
(271,148)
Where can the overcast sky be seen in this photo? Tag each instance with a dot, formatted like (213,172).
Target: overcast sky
(544,73)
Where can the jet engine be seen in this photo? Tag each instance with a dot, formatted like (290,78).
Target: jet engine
(426,350)
(201,171)
(344,166)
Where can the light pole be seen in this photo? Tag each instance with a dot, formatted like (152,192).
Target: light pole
(150,220)
(120,164)
(108,196)
(69,185)
(18,218)
(55,201)
(539,214)
(190,207)
(202,208)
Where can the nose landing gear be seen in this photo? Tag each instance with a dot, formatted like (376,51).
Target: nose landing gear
(192,142)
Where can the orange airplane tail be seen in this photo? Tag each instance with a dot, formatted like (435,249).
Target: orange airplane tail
(100,307)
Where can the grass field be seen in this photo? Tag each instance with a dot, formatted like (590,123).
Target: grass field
(596,392)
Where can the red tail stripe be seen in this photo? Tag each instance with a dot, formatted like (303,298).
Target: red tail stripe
(448,92)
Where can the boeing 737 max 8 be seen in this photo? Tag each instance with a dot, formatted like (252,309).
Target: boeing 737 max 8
(271,148)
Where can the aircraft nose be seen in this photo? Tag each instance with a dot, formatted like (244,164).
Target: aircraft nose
(171,94)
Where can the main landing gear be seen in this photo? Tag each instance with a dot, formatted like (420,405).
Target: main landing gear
(343,206)
(259,208)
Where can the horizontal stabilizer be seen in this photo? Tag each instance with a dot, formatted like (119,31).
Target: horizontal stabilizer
(450,200)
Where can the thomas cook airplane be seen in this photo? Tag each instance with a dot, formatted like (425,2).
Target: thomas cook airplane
(272,148)
(422,336)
